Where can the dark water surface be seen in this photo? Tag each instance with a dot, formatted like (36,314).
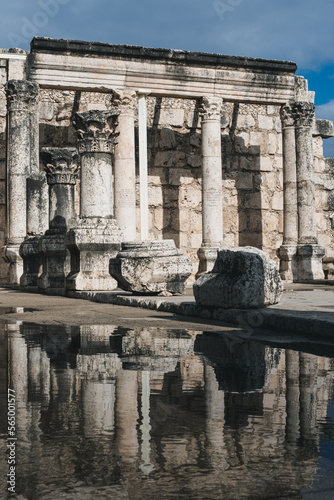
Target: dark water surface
(104,412)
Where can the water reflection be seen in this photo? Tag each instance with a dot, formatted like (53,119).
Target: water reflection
(108,412)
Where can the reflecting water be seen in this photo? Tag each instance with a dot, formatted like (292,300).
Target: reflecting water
(111,413)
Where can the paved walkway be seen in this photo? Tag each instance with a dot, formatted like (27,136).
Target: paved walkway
(304,309)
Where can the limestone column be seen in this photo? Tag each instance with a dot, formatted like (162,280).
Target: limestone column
(22,95)
(310,254)
(124,165)
(61,166)
(288,250)
(127,415)
(212,190)
(95,237)
(292,397)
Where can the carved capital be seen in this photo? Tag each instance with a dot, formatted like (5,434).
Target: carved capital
(211,107)
(61,165)
(125,101)
(96,130)
(303,113)
(21,94)
(287,116)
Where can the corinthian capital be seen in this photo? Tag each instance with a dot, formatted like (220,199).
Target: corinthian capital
(125,100)
(21,94)
(96,130)
(61,165)
(210,108)
(287,116)
(303,113)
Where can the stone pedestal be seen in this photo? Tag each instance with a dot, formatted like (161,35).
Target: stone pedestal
(61,166)
(22,99)
(309,258)
(288,250)
(95,237)
(37,224)
(212,191)
(151,267)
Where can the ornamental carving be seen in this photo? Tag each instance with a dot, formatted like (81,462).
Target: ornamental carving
(287,116)
(61,165)
(96,130)
(21,94)
(303,113)
(211,107)
(125,100)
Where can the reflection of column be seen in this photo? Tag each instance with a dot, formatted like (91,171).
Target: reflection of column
(215,419)
(22,95)
(98,399)
(310,253)
(212,191)
(127,414)
(61,166)
(288,249)
(125,167)
(146,467)
(292,396)
(308,398)
(95,237)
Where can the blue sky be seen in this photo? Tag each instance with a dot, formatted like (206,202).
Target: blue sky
(295,30)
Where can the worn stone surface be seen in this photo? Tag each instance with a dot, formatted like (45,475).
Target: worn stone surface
(91,243)
(241,278)
(151,267)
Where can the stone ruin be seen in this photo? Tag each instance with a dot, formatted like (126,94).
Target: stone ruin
(135,160)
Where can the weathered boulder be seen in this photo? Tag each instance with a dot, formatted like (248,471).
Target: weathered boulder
(151,267)
(241,278)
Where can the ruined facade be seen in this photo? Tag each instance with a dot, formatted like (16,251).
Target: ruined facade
(234,151)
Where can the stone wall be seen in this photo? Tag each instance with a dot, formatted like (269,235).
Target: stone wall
(252,169)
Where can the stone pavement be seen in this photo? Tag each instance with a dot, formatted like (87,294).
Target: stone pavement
(306,310)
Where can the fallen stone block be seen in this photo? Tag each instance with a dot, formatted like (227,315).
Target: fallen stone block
(241,278)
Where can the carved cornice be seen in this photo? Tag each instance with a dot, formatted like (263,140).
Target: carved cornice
(96,130)
(61,165)
(125,101)
(303,113)
(287,116)
(210,108)
(21,94)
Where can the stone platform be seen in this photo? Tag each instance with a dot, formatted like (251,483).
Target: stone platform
(306,310)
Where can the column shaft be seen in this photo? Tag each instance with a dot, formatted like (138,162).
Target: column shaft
(125,168)
(212,191)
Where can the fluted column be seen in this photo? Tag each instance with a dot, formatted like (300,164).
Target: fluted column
(309,252)
(95,237)
(288,250)
(124,165)
(22,97)
(212,190)
(61,166)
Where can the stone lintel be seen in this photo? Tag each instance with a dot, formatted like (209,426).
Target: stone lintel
(323,128)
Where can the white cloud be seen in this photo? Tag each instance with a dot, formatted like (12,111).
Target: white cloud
(325,111)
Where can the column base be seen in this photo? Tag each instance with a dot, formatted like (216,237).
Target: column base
(288,262)
(56,262)
(11,254)
(151,267)
(32,262)
(207,258)
(310,262)
(91,243)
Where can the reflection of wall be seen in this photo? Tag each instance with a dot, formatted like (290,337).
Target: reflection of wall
(196,437)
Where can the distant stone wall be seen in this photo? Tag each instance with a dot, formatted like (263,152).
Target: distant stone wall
(252,169)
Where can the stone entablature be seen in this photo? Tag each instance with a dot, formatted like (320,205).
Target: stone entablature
(99,66)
